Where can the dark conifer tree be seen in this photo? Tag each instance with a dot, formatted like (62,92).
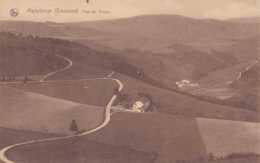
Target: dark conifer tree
(74,126)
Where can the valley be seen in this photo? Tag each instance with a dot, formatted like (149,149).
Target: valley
(67,90)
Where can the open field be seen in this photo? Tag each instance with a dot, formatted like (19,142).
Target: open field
(168,137)
(233,158)
(130,138)
(170,102)
(95,92)
(241,160)
(78,150)
(30,111)
(224,137)
(151,138)
(11,136)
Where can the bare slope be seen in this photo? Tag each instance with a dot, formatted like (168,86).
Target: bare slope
(30,111)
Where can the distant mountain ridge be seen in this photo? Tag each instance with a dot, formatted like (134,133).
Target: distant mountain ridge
(167,48)
(166,27)
(255,19)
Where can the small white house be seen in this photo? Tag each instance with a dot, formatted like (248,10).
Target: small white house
(141,105)
(186,83)
(137,106)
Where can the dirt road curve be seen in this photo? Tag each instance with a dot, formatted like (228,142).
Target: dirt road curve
(60,70)
(3,152)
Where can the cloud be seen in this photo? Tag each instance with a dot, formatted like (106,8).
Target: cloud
(235,9)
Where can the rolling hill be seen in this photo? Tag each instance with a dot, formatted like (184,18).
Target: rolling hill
(164,48)
(88,63)
(176,103)
(20,58)
(167,48)
(29,55)
(162,29)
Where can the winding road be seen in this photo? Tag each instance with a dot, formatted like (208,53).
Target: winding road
(70,64)
(107,114)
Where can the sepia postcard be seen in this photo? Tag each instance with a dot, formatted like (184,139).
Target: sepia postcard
(130,81)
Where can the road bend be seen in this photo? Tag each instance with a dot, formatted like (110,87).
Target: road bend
(3,152)
(68,66)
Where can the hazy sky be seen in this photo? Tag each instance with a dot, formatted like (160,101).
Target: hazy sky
(220,9)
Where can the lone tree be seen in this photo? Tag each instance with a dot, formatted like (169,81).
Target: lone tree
(74,126)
